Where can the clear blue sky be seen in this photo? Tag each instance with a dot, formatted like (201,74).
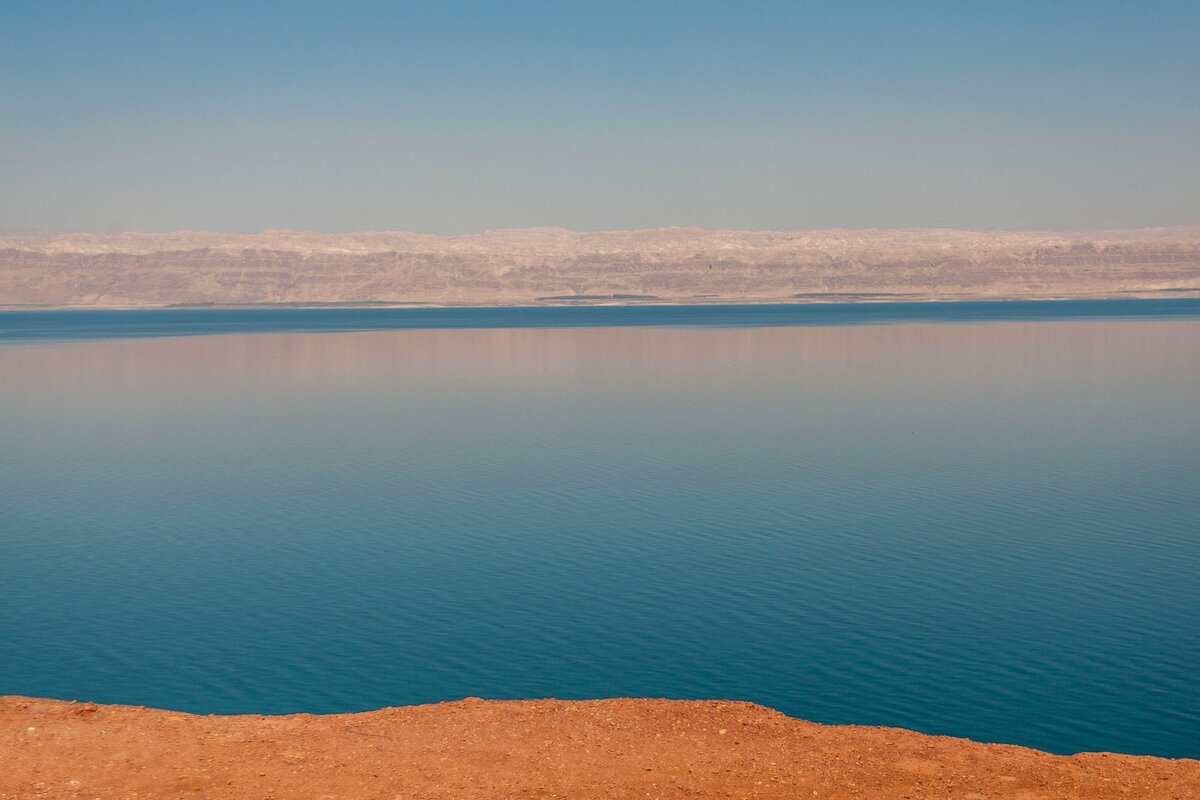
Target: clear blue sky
(452,117)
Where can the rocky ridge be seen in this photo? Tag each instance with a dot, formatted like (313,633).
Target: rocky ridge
(552,265)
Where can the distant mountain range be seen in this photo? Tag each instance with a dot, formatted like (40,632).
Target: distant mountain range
(556,266)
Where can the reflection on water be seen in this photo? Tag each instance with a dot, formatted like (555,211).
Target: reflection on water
(980,530)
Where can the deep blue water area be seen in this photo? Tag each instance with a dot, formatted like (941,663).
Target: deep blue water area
(65,325)
(989,531)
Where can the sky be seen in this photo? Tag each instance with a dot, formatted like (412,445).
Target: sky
(456,117)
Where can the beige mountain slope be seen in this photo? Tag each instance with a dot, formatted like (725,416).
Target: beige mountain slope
(552,265)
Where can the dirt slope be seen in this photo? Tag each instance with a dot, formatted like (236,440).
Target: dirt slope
(528,749)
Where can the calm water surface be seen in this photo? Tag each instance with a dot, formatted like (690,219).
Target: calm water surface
(983,530)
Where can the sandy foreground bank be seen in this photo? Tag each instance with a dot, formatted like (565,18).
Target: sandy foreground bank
(544,748)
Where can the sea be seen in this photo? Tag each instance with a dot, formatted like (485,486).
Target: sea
(969,519)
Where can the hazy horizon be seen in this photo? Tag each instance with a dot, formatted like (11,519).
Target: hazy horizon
(15,232)
(464,117)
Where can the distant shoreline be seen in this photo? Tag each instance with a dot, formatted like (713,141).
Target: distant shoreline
(830,298)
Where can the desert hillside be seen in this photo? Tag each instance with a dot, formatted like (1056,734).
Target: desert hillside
(535,749)
(551,265)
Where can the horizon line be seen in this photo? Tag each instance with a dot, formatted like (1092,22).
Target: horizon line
(17,232)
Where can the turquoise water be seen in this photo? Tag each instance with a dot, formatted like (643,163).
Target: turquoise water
(20,326)
(983,524)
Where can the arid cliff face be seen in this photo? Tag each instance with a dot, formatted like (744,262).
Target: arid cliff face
(543,748)
(550,265)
